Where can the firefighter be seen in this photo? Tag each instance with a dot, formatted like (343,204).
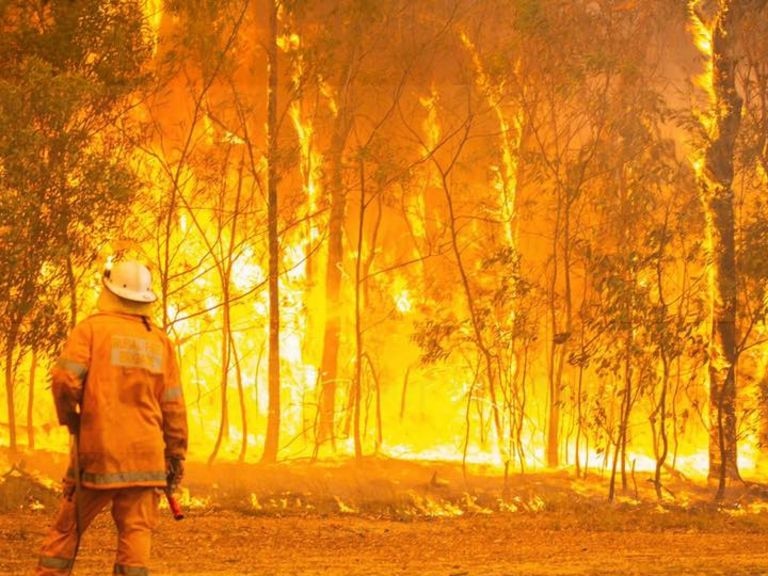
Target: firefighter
(116,387)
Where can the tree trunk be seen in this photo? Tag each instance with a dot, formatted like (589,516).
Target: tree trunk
(659,414)
(31,402)
(72,285)
(224,377)
(333,277)
(344,80)
(358,381)
(10,344)
(662,441)
(271,441)
(762,435)
(715,181)
(224,268)
(560,331)
(241,398)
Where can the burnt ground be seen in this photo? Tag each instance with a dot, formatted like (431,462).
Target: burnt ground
(386,518)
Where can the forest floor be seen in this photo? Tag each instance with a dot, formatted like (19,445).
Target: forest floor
(386,518)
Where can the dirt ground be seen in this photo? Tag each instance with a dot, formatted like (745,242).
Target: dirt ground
(233,544)
(390,518)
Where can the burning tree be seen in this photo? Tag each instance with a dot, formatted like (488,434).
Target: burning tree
(719,30)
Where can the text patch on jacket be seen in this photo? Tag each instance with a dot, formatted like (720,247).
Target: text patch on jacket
(130,352)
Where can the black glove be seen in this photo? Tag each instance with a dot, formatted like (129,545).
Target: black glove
(174,471)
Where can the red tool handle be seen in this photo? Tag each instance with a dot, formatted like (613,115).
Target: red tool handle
(174,505)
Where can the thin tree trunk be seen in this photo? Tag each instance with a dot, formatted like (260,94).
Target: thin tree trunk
(663,448)
(224,378)
(661,440)
(580,378)
(271,441)
(31,401)
(628,401)
(242,400)
(357,384)
(379,417)
(404,393)
(629,289)
(10,344)
(521,401)
(559,336)
(579,410)
(554,373)
(72,285)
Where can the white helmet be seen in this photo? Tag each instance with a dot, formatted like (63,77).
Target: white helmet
(130,280)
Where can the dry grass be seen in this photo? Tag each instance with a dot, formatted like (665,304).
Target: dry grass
(384,517)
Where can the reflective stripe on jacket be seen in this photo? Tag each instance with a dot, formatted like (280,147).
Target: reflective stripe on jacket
(123,372)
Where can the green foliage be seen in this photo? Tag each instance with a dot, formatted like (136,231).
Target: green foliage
(752,253)
(206,29)
(753,248)
(434,338)
(505,307)
(530,16)
(66,72)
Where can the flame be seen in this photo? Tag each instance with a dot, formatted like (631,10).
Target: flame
(426,505)
(431,123)
(416,215)
(290,42)
(208,129)
(246,273)
(153,15)
(702,33)
(403,301)
(511,140)
(199,347)
(327,90)
(310,166)
(697,163)
(345,508)
(401,295)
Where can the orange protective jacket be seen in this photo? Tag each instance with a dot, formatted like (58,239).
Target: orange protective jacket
(122,372)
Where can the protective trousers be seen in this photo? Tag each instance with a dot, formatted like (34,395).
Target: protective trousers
(134,511)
